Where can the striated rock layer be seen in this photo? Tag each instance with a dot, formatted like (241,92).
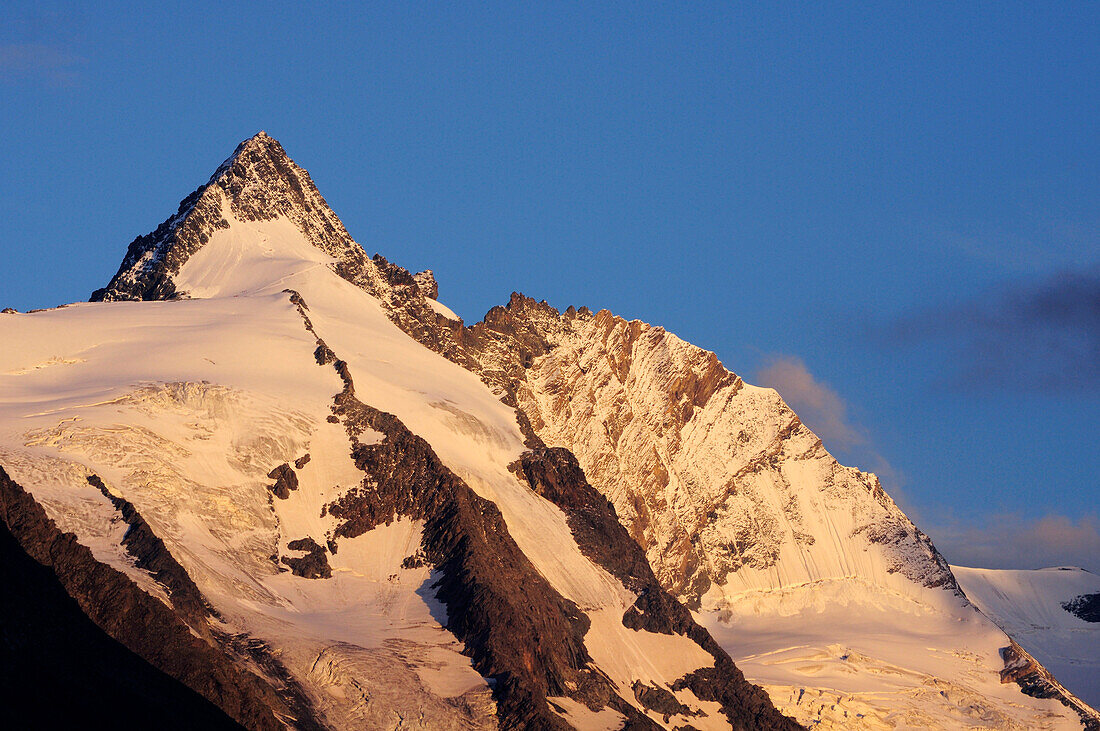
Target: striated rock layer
(717,480)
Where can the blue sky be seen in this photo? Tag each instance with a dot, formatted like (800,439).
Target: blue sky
(892,214)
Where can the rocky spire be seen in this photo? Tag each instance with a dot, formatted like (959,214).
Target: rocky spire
(258,182)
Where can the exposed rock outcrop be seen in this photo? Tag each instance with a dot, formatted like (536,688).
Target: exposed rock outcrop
(1086,607)
(425,280)
(676,477)
(531,642)
(151,554)
(314,565)
(555,474)
(1036,681)
(259,182)
(285,481)
(684,450)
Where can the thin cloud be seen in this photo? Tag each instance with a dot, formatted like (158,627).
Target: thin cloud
(819,406)
(1035,336)
(38,61)
(1012,541)
(1007,541)
(825,412)
(1061,245)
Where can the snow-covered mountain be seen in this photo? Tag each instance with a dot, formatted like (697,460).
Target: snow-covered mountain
(805,570)
(287,476)
(1053,613)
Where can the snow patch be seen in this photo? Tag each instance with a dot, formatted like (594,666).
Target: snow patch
(582,718)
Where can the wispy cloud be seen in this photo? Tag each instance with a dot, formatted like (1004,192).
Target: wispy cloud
(38,61)
(1059,244)
(1032,335)
(825,412)
(992,541)
(1012,541)
(819,406)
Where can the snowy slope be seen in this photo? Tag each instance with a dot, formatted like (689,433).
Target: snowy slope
(472,431)
(1029,606)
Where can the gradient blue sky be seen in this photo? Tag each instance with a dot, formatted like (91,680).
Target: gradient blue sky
(892,214)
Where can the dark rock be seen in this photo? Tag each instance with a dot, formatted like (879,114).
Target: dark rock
(415,561)
(1086,607)
(172,243)
(314,565)
(425,281)
(1036,681)
(285,481)
(660,701)
(323,354)
(151,554)
(555,474)
(301,461)
(260,183)
(529,641)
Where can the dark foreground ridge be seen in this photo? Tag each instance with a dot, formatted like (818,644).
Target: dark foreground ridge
(157,638)
(59,670)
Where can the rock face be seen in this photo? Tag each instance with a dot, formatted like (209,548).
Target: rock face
(425,280)
(530,642)
(517,628)
(313,565)
(1035,680)
(59,670)
(554,474)
(286,480)
(715,479)
(738,506)
(259,182)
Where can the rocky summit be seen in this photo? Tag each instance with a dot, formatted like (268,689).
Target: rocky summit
(265,480)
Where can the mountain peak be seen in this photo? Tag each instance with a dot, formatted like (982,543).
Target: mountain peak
(260,146)
(258,182)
